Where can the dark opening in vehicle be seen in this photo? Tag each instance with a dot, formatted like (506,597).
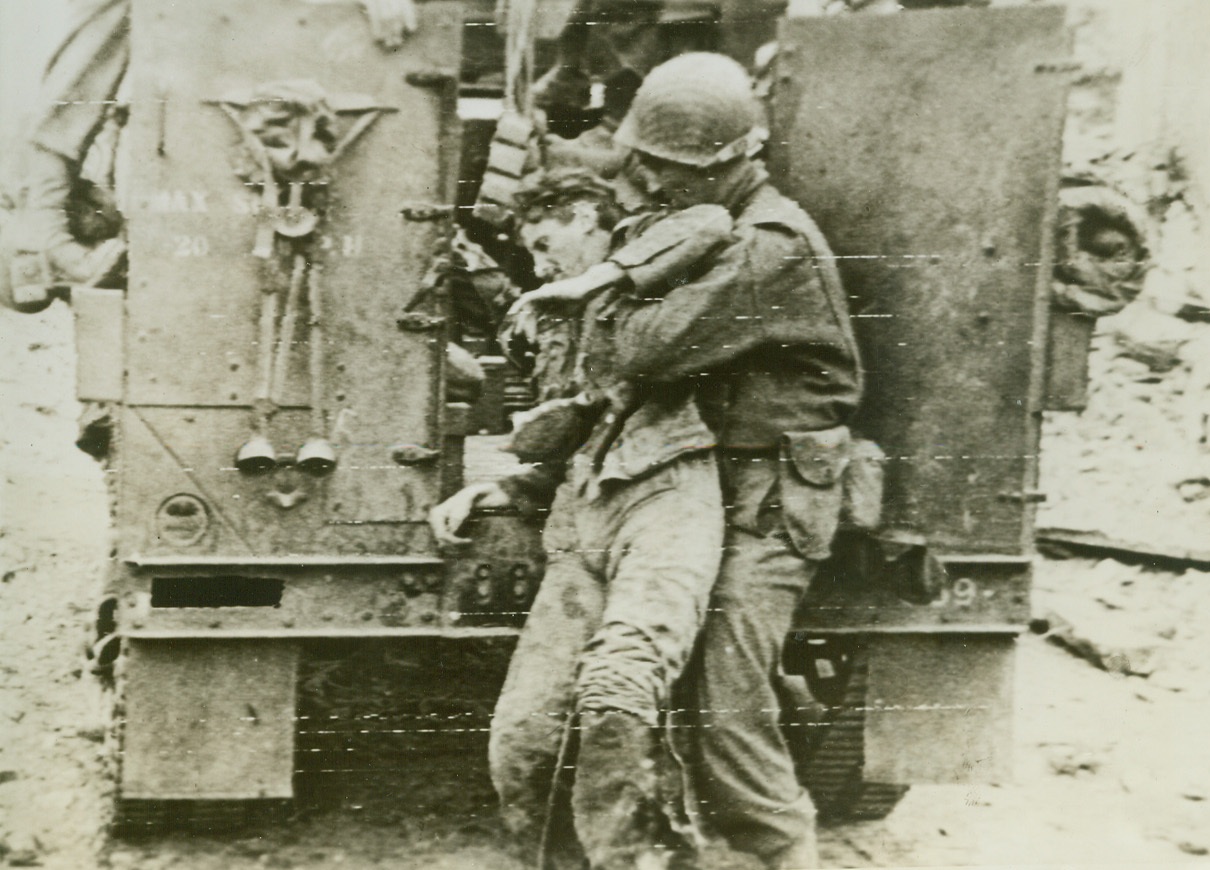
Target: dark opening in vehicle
(216,592)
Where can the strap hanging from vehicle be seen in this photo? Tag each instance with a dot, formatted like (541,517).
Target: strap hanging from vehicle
(509,156)
(518,19)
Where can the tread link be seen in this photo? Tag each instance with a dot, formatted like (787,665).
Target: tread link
(830,756)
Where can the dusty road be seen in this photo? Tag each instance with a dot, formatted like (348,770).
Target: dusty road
(1111,770)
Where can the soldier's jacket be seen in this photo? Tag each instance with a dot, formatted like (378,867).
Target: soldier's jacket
(764,331)
(624,431)
(655,250)
(83,77)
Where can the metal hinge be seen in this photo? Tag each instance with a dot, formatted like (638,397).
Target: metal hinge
(1030,496)
(425,212)
(1059,66)
(414,454)
(431,78)
(417,322)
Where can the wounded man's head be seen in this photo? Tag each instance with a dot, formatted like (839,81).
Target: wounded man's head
(565,219)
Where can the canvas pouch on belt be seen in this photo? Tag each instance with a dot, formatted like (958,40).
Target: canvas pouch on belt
(828,478)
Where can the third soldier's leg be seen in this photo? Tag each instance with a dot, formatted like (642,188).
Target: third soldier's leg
(77,92)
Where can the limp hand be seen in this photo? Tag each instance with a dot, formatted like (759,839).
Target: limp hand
(447,518)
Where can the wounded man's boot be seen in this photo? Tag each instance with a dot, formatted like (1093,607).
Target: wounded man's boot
(39,248)
(615,801)
(801,856)
(803,853)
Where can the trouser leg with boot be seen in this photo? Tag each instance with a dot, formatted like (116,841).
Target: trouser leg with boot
(623,598)
(616,803)
(656,546)
(533,717)
(746,780)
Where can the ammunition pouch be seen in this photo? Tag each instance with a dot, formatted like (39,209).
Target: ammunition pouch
(828,481)
(809,479)
(861,484)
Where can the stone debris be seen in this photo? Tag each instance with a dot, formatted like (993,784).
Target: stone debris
(1149,336)
(1135,464)
(1073,761)
(1131,620)
(1114,648)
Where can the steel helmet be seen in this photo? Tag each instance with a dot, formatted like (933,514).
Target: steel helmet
(697,109)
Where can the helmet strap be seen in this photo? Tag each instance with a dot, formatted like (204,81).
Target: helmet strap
(748,145)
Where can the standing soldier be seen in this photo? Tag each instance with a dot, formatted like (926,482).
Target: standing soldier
(79,90)
(765,331)
(615,43)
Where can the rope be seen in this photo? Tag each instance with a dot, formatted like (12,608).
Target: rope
(519,55)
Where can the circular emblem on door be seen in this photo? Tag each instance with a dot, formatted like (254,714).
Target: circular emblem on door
(182,520)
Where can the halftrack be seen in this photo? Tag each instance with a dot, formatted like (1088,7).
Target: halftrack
(277,369)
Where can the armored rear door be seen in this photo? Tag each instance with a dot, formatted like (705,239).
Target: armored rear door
(275,302)
(927,147)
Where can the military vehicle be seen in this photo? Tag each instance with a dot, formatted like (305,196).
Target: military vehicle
(277,365)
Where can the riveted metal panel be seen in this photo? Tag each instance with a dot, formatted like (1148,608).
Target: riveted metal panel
(210,313)
(493,579)
(208,720)
(926,146)
(939,709)
(171,452)
(98,316)
(206,599)
(966,593)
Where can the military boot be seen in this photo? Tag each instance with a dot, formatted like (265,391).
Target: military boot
(41,250)
(802,855)
(617,810)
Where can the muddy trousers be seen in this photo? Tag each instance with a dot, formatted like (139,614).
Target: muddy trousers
(744,777)
(627,581)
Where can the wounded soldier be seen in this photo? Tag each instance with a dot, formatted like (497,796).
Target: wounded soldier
(633,541)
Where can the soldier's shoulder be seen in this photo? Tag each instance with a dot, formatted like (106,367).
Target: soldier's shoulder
(773,211)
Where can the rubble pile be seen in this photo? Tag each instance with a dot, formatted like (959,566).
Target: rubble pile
(1135,464)
(1133,468)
